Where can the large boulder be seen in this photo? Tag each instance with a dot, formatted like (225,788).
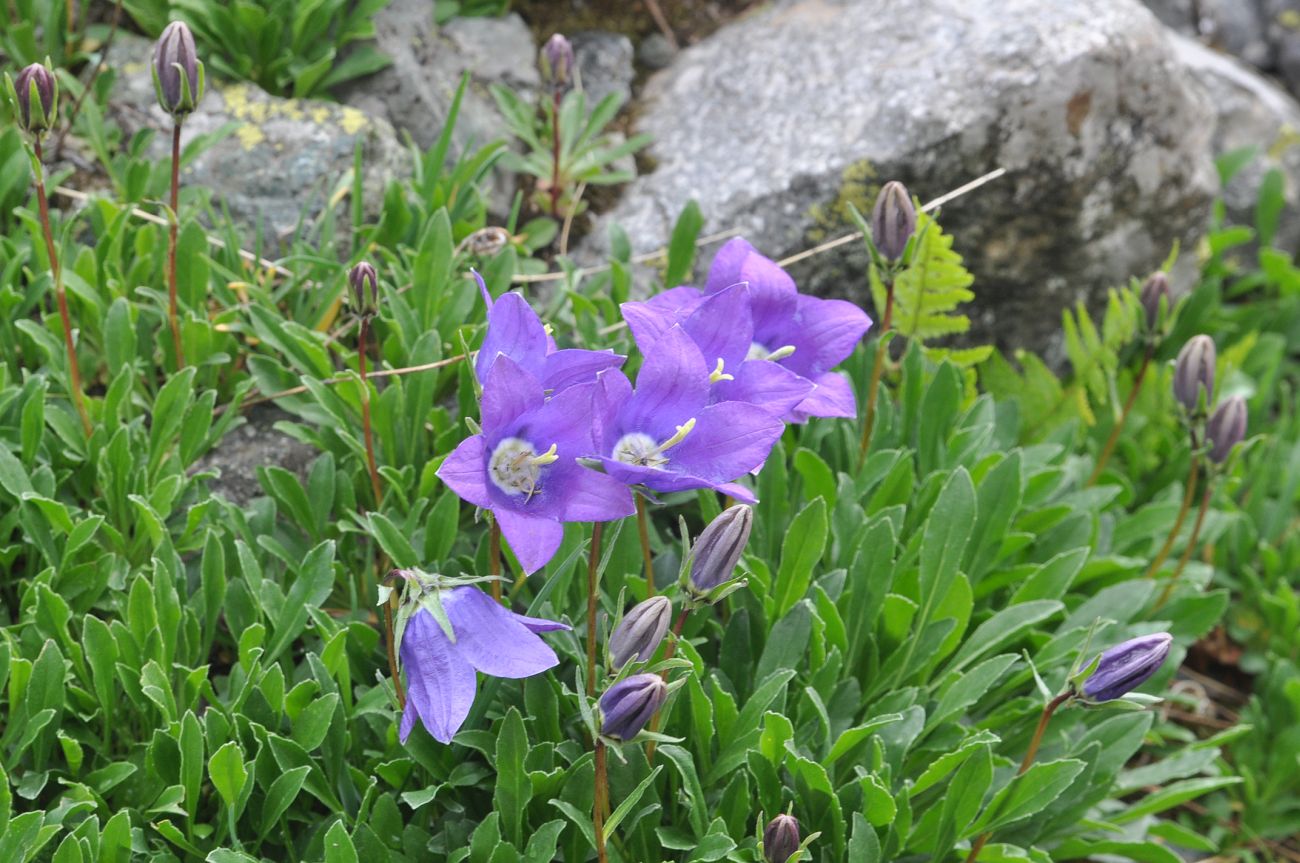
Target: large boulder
(280,159)
(778,121)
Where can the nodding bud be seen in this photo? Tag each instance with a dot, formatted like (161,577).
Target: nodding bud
(1127,666)
(177,71)
(35,95)
(639,632)
(1193,370)
(627,706)
(893,221)
(780,839)
(718,548)
(365,288)
(486,242)
(1226,428)
(1155,289)
(557,62)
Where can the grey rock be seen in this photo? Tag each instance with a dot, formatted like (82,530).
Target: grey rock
(655,52)
(1178,14)
(1283,21)
(604,64)
(1250,111)
(284,156)
(780,119)
(1238,27)
(416,91)
(256,443)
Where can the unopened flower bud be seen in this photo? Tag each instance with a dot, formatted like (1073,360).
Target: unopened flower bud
(177,71)
(627,706)
(1155,289)
(893,221)
(35,95)
(1194,370)
(780,839)
(1127,666)
(718,548)
(365,287)
(557,62)
(639,632)
(486,242)
(1226,428)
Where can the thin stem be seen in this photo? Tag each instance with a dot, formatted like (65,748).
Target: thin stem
(375,487)
(877,367)
(392,655)
(1123,417)
(60,295)
(494,558)
(599,803)
(1191,545)
(99,67)
(1048,710)
(593,587)
(643,528)
(556,97)
(1188,495)
(669,652)
(173,311)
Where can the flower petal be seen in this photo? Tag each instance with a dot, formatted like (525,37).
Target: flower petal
(773,298)
(515,331)
(769,385)
(594,496)
(737,492)
(725,269)
(729,440)
(509,392)
(465,471)
(650,318)
(824,333)
(541,624)
(723,327)
(533,540)
(490,638)
(439,683)
(833,397)
(672,387)
(573,366)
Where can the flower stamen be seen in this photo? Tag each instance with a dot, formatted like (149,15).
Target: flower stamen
(719,375)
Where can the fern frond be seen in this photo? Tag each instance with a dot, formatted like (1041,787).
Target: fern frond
(928,292)
(1042,398)
(1096,355)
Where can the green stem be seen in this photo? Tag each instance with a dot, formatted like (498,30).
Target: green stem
(1123,417)
(1190,493)
(173,307)
(877,368)
(643,528)
(375,487)
(60,294)
(669,652)
(1191,546)
(494,558)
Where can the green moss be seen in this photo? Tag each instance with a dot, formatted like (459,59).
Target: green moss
(859,185)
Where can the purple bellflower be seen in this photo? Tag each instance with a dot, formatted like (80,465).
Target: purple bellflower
(522,465)
(1127,666)
(666,435)
(488,637)
(515,331)
(805,335)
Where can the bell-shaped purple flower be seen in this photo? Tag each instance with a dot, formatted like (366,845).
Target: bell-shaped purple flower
(1226,428)
(440,681)
(666,435)
(523,465)
(627,706)
(515,331)
(1127,666)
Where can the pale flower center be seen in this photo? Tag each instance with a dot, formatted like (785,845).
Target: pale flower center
(515,466)
(760,352)
(638,448)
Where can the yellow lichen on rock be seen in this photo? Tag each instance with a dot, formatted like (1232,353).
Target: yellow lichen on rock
(250,136)
(352,120)
(859,185)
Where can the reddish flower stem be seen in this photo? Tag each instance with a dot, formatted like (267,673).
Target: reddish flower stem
(669,652)
(643,528)
(599,804)
(392,655)
(494,558)
(173,307)
(556,98)
(1188,495)
(375,487)
(1123,417)
(1191,546)
(60,294)
(593,587)
(877,368)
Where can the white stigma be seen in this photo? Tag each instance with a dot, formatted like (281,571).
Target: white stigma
(760,352)
(516,467)
(640,449)
(719,375)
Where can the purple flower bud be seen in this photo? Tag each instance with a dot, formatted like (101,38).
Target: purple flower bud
(36,96)
(1193,370)
(1154,289)
(177,71)
(365,287)
(627,706)
(1127,666)
(557,62)
(1226,428)
(893,221)
(780,839)
(639,632)
(718,548)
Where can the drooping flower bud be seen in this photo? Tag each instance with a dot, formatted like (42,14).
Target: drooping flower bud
(35,95)
(780,839)
(1194,370)
(1226,428)
(486,242)
(556,63)
(177,71)
(718,548)
(365,288)
(893,221)
(1155,289)
(1127,666)
(627,706)
(639,632)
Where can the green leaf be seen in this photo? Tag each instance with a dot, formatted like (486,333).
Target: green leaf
(227,772)
(927,293)
(804,544)
(311,588)
(629,802)
(280,796)
(1028,793)
(338,845)
(513,787)
(681,247)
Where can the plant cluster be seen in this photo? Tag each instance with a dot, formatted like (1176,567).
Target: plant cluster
(697,576)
